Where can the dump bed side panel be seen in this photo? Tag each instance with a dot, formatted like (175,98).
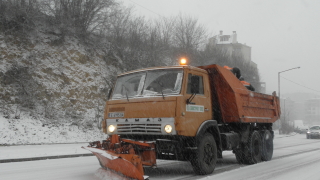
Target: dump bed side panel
(234,103)
(260,108)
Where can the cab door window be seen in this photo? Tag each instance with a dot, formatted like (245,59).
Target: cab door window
(195,84)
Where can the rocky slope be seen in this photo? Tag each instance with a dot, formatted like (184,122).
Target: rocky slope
(51,80)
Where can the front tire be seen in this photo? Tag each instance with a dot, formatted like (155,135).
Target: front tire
(204,159)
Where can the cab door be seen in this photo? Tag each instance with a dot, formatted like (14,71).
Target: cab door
(197,101)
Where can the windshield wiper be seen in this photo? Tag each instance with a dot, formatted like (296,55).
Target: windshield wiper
(123,86)
(161,85)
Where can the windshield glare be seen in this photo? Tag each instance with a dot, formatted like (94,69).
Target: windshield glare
(148,83)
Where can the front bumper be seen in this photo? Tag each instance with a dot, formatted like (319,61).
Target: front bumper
(142,126)
(314,135)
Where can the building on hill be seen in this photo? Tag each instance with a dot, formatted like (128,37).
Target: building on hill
(232,47)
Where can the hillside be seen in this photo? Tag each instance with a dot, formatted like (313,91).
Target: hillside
(52,83)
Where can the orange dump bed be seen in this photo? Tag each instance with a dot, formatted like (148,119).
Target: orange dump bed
(234,103)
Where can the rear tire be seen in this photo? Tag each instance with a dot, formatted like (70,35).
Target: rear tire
(254,148)
(267,146)
(204,159)
(241,154)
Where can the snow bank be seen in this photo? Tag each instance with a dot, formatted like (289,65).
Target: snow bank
(32,131)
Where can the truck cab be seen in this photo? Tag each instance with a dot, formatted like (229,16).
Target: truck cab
(156,102)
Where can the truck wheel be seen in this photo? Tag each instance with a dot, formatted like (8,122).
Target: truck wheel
(241,154)
(254,148)
(267,146)
(204,158)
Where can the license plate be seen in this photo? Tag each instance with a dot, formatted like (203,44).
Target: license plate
(116,114)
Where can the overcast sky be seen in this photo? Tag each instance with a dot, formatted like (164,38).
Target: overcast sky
(283,34)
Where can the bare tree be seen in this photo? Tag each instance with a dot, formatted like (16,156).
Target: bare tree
(18,15)
(189,34)
(188,37)
(164,31)
(165,26)
(78,17)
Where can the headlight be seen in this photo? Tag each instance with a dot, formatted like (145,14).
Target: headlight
(308,132)
(111,128)
(168,128)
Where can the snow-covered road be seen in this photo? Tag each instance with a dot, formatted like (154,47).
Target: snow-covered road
(63,169)
(300,166)
(295,157)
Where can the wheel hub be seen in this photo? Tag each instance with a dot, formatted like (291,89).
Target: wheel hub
(208,154)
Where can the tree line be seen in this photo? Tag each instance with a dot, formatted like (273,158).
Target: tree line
(126,40)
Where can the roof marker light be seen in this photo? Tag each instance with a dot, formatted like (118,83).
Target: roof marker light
(183,61)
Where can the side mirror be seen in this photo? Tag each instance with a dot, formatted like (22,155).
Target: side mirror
(195,84)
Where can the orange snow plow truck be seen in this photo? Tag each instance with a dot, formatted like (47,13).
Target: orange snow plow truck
(184,113)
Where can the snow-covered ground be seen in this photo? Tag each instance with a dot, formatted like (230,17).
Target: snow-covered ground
(31,131)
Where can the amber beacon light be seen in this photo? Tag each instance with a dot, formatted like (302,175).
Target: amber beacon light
(183,61)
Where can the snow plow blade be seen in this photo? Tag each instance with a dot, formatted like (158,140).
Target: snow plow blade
(124,156)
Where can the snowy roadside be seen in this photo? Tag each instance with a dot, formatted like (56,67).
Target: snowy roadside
(31,131)
(277,135)
(29,139)
(34,152)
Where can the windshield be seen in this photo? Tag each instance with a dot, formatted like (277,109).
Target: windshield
(315,128)
(148,83)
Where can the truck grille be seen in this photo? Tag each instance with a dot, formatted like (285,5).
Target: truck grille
(139,128)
